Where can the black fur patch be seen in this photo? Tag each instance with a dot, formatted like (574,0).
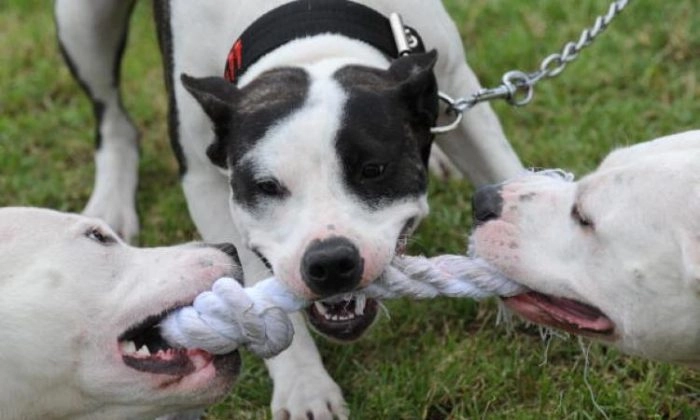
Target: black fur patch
(269,98)
(241,117)
(387,124)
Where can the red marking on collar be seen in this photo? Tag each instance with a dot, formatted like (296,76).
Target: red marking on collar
(233,61)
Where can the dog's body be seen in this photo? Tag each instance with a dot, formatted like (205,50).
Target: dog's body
(624,240)
(70,295)
(317,169)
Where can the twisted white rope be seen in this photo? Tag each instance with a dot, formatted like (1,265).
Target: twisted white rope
(230,316)
(444,275)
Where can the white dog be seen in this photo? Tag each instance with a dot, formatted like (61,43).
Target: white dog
(614,256)
(78,314)
(316,165)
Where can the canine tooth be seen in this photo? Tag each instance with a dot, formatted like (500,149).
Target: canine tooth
(360,301)
(128,347)
(321,308)
(143,351)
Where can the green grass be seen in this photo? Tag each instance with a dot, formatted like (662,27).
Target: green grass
(433,360)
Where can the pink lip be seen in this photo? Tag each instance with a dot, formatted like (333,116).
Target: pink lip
(562,313)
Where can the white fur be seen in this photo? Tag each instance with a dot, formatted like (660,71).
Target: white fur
(639,265)
(203,31)
(64,300)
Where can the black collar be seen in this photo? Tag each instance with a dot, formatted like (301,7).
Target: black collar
(303,18)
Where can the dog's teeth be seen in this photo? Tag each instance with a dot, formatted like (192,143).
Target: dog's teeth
(143,351)
(360,301)
(321,308)
(128,347)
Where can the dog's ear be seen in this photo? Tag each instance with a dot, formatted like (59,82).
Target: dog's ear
(217,97)
(417,85)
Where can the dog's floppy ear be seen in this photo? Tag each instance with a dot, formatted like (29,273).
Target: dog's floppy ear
(417,85)
(217,97)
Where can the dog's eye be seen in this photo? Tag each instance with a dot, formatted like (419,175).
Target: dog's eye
(271,187)
(580,218)
(373,170)
(98,236)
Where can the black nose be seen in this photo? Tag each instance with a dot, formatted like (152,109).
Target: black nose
(487,203)
(331,266)
(228,249)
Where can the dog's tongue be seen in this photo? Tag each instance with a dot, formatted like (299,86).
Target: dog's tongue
(558,312)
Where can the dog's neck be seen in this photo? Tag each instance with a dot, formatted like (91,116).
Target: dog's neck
(332,50)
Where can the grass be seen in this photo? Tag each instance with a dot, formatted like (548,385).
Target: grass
(443,359)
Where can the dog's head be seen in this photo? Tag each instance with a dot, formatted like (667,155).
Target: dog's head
(80,312)
(327,167)
(615,256)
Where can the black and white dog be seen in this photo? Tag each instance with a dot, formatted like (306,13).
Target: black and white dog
(316,167)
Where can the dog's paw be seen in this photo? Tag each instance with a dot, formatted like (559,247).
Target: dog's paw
(308,395)
(121,217)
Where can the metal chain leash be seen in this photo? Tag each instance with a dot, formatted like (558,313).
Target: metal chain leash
(517,87)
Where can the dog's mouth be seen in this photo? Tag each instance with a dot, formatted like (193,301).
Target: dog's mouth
(347,317)
(343,318)
(143,348)
(562,313)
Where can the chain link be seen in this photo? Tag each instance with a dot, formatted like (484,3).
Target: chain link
(517,86)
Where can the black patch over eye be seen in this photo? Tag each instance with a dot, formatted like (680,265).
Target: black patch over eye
(580,218)
(271,187)
(373,170)
(98,236)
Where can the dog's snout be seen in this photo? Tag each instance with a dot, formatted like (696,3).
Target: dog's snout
(487,203)
(332,266)
(229,249)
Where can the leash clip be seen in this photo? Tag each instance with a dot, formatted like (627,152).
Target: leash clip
(403,38)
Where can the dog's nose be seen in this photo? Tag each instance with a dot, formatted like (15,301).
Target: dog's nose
(487,203)
(332,266)
(229,249)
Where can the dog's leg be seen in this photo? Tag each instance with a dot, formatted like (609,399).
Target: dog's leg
(303,387)
(92,35)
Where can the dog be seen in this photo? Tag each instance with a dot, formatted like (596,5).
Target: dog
(311,157)
(79,310)
(614,256)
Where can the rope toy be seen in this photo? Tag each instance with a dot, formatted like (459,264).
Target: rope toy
(230,316)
